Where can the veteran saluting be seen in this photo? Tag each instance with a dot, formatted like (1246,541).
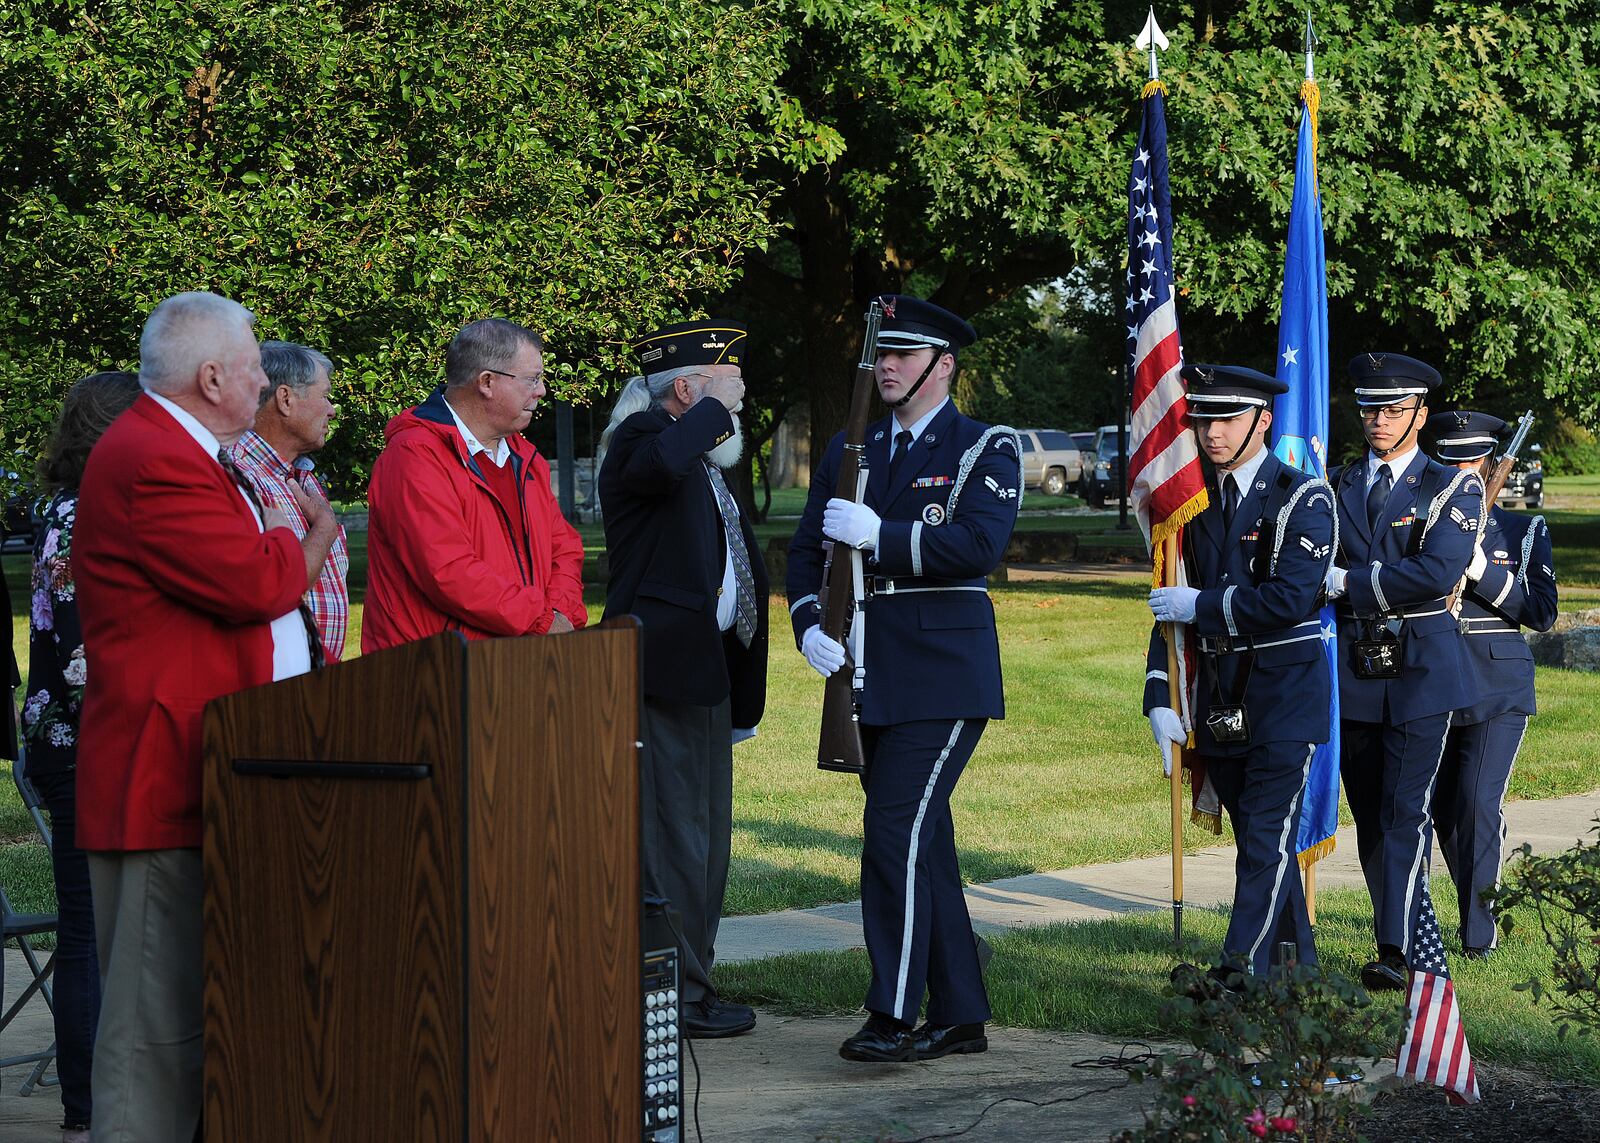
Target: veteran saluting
(941,499)
(1257,556)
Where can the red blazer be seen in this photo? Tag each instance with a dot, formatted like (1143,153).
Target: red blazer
(177,588)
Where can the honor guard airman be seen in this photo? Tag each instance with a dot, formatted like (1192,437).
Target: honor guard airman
(1511,584)
(942,494)
(1256,558)
(1407,529)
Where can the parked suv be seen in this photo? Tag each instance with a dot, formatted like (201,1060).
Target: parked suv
(1102,480)
(1526,482)
(1052,460)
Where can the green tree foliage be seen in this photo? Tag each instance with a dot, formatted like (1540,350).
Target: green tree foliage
(368,175)
(969,150)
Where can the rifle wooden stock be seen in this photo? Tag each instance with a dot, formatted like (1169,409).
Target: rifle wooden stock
(1501,472)
(839,747)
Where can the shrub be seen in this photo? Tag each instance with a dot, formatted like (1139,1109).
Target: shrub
(1262,1060)
(1563,890)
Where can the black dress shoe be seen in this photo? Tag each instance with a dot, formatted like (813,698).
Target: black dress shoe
(935,1040)
(880,1040)
(1386,974)
(1473,953)
(711,1018)
(1208,984)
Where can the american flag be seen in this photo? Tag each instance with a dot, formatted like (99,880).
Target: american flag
(1434,1049)
(1166,485)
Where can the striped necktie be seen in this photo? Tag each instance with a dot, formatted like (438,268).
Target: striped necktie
(744,622)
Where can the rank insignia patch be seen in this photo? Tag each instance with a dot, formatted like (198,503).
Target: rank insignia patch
(1002,493)
(933,514)
(1317,551)
(932,481)
(1466,523)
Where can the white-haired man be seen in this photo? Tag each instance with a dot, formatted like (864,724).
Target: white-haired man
(187,591)
(683,559)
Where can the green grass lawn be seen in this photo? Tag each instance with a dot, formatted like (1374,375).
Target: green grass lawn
(1110,978)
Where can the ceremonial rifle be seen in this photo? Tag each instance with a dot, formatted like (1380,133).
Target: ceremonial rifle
(843,585)
(1508,460)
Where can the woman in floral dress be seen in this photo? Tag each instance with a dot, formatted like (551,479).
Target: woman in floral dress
(56,678)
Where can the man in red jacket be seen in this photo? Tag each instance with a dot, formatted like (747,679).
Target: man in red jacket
(186,591)
(463,531)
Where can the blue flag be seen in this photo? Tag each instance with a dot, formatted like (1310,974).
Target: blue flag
(1300,424)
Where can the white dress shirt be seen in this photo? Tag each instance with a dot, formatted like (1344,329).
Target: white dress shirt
(291,653)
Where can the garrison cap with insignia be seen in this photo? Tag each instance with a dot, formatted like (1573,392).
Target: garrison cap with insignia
(911,323)
(1459,435)
(1389,378)
(710,341)
(1217,392)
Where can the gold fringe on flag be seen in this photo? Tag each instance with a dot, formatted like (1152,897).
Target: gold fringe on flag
(1156,85)
(1317,852)
(1186,511)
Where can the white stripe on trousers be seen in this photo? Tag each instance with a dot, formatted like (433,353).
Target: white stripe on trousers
(909,915)
(1283,854)
(1515,750)
(1422,836)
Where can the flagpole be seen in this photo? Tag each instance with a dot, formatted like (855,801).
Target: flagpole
(1169,575)
(1310,874)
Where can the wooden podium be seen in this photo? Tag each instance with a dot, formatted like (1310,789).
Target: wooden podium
(422,897)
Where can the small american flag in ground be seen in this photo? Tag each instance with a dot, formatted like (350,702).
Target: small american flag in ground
(1434,1049)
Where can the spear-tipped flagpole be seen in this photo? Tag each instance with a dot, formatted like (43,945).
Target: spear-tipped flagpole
(1151,37)
(1311,49)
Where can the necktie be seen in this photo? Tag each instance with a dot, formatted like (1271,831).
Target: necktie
(1377,496)
(1230,503)
(902,445)
(744,619)
(313,637)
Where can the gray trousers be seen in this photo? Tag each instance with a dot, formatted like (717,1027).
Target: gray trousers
(149,1049)
(686,816)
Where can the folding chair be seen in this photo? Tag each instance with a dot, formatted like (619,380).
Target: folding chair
(20,927)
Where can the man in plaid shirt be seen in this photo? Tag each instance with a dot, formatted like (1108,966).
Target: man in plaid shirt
(291,424)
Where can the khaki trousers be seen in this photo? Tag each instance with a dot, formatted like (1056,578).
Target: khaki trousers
(148,1051)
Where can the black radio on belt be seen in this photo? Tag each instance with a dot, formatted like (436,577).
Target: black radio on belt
(1378,655)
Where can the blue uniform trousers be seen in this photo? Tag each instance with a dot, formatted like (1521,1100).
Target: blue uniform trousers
(1263,790)
(913,914)
(1389,774)
(1469,815)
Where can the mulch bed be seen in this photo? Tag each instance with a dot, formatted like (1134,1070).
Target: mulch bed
(1516,1105)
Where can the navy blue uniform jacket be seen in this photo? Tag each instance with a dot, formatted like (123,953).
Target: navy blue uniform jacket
(929,654)
(665,545)
(1517,589)
(1274,608)
(1384,580)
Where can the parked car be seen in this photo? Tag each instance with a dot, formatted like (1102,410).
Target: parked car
(1052,461)
(17,526)
(1526,482)
(1102,480)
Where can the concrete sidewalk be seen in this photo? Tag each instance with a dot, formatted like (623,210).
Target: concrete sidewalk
(1091,892)
(786,1081)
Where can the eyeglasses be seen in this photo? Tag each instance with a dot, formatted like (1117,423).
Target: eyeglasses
(536,379)
(1388,412)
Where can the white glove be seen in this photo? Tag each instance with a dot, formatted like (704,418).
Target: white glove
(1335,582)
(1167,728)
(1174,604)
(851,523)
(824,654)
(1479,564)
